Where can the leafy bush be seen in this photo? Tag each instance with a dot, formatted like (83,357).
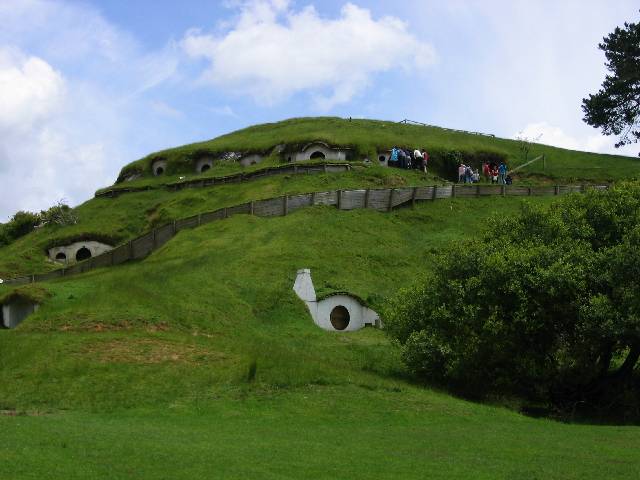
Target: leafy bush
(544,305)
(19,225)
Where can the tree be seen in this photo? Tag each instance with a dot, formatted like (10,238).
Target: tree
(616,107)
(525,144)
(543,305)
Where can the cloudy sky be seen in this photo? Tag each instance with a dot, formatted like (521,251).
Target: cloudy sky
(88,86)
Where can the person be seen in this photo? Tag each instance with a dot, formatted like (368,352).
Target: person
(425,161)
(508,180)
(494,175)
(393,159)
(468,174)
(476,176)
(417,157)
(461,170)
(502,172)
(485,170)
(402,158)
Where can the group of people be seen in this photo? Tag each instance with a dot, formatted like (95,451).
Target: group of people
(401,158)
(492,172)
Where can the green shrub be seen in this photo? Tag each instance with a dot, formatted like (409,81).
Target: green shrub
(542,305)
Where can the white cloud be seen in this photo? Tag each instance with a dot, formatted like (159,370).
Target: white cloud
(272,52)
(30,89)
(557,137)
(74,102)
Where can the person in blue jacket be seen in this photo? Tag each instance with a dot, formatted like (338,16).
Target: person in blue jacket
(502,173)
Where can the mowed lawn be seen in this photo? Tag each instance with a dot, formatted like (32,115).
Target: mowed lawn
(327,432)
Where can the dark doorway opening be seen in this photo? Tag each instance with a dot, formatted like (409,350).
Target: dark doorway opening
(317,155)
(83,254)
(61,257)
(382,158)
(339,317)
(159,171)
(205,167)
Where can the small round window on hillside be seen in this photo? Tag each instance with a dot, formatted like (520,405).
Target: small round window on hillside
(205,167)
(83,254)
(382,158)
(61,257)
(159,171)
(339,317)
(317,155)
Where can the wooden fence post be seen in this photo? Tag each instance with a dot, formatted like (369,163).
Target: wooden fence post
(556,190)
(434,192)
(413,197)
(339,199)
(175,229)
(199,223)
(225,213)
(313,199)
(529,191)
(477,190)
(503,190)
(251,208)
(390,207)
(324,166)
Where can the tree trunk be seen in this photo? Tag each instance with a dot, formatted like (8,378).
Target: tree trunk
(629,363)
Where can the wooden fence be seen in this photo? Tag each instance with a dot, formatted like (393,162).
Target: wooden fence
(383,200)
(291,169)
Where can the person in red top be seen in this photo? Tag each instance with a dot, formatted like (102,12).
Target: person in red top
(425,160)
(494,175)
(486,172)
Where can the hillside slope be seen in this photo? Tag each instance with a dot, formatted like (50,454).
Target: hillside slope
(155,359)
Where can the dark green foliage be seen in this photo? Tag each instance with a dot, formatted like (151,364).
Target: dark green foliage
(19,225)
(543,304)
(616,107)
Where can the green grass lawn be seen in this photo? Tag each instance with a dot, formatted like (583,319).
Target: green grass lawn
(314,432)
(141,370)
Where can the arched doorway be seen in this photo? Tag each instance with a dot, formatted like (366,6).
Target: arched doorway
(382,159)
(205,167)
(83,254)
(159,171)
(339,317)
(61,257)
(317,155)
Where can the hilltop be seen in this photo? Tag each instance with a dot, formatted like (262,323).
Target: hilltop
(366,138)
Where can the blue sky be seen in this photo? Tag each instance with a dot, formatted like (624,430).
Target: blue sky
(88,86)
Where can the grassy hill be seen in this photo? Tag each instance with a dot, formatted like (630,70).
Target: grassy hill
(367,137)
(199,361)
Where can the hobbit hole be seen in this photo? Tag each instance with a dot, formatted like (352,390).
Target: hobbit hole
(317,155)
(339,317)
(83,254)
